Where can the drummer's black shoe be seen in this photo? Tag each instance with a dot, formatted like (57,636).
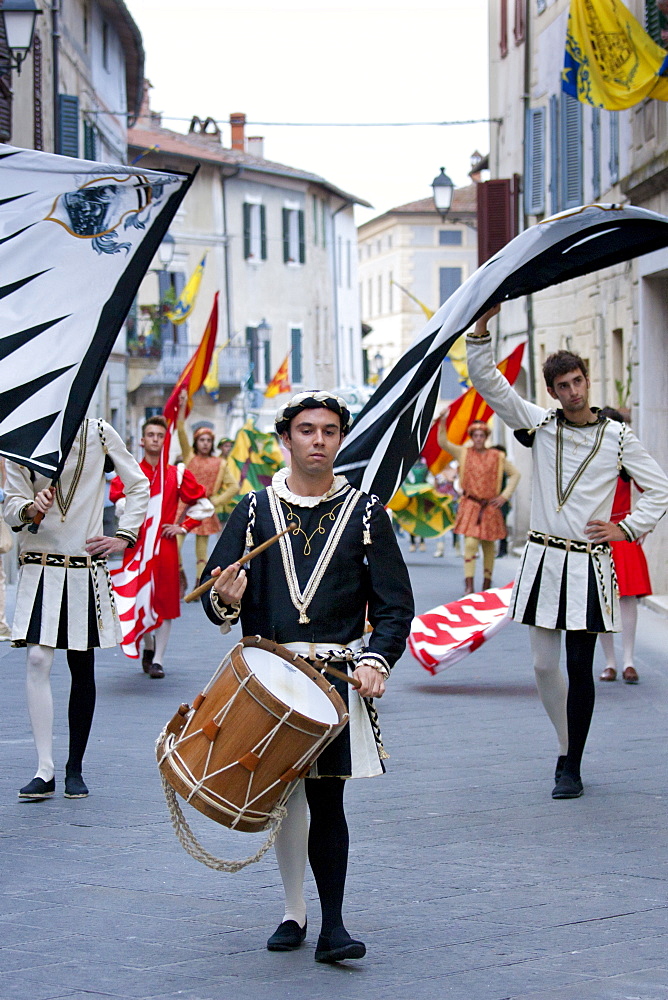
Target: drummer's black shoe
(147,660)
(38,788)
(568,787)
(337,946)
(75,786)
(287,936)
(558,771)
(156,670)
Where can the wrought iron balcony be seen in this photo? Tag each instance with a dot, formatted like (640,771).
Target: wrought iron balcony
(164,364)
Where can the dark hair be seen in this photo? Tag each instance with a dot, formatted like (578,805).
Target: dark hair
(611,414)
(500,447)
(157,420)
(562,363)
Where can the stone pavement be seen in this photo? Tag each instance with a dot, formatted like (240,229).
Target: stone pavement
(467,881)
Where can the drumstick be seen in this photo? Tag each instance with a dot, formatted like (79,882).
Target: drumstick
(340,674)
(202,589)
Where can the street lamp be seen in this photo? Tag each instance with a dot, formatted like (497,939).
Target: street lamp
(442,187)
(19,17)
(166,250)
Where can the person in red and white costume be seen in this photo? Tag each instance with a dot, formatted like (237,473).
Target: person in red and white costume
(180,485)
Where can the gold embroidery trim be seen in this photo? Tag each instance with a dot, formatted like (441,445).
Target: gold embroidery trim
(65,501)
(291,516)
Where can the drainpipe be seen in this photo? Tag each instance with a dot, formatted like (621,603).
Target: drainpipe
(226,253)
(337,347)
(526,101)
(55,49)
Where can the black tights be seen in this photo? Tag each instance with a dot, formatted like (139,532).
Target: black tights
(580,647)
(82,703)
(328,846)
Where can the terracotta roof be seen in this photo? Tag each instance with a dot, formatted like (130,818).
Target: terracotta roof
(200,148)
(464,201)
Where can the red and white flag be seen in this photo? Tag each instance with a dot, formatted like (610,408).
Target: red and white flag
(450,632)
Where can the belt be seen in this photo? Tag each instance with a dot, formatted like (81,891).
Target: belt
(483,504)
(55,559)
(325,650)
(567,544)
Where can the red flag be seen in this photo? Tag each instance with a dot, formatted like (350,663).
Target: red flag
(467,408)
(446,634)
(193,375)
(280,383)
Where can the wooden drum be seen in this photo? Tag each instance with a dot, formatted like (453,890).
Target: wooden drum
(256,728)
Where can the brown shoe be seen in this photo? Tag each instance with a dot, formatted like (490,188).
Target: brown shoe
(630,675)
(486,582)
(609,674)
(147,660)
(156,670)
(468,585)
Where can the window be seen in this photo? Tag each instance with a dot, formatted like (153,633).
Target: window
(5,88)
(255,231)
(68,125)
(266,352)
(294,247)
(449,278)
(370,287)
(614,146)
(389,242)
(324,224)
(497,215)
(315,219)
(253,345)
(170,286)
(534,168)
(296,355)
(503,28)
(596,153)
(380,295)
(519,26)
(571,151)
(449,237)
(390,293)
(349,264)
(339,262)
(105,45)
(654,22)
(90,141)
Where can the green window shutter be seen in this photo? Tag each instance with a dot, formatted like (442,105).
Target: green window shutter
(263,232)
(247,232)
(68,125)
(251,344)
(302,238)
(286,235)
(90,141)
(296,354)
(267,362)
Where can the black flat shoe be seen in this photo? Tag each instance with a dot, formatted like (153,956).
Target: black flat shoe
(155,670)
(338,946)
(567,787)
(287,936)
(75,786)
(38,788)
(559,769)
(147,659)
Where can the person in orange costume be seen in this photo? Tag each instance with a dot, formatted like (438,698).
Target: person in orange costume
(479,517)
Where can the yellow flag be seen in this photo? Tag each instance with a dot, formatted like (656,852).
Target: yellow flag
(186,302)
(610,61)
(281,381)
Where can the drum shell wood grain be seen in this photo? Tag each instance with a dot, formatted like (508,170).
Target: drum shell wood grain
(193,745)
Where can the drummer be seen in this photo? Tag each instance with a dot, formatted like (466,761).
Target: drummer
(312,592)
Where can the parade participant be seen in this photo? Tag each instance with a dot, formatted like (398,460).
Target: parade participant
(566,580)
(179,485)
(632,580)
(65,599)
(479,518)
(212,473)
(311,592)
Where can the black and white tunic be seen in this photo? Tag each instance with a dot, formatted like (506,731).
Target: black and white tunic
(65,599)
(565,581)
(318,586)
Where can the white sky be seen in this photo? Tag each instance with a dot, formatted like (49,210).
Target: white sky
(318,61)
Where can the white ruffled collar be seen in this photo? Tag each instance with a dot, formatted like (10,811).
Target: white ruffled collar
(279,483)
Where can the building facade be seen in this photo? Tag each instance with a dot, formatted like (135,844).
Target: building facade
(411,251)
(281,251)
(568,154)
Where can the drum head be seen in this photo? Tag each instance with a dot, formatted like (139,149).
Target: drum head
(290,685)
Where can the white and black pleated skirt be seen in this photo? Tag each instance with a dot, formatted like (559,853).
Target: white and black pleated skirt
(357,752)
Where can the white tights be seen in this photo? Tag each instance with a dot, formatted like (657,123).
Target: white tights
(291,852)
(158,640)
(551,682)
(628,607)
(40,706)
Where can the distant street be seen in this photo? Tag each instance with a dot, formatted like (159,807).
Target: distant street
(467,881)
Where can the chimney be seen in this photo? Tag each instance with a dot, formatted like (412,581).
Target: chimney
(255,146)
(238,125)
(146,117)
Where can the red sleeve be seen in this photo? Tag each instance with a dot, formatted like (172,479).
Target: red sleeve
(116,489)
(190,490)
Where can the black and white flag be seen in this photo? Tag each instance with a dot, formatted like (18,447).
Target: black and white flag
(76,239)
(389,433)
